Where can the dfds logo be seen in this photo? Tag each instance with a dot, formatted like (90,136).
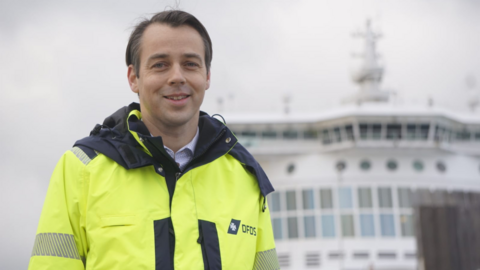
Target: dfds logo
(249,229)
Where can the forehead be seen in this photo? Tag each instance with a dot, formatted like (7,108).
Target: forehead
(162,38)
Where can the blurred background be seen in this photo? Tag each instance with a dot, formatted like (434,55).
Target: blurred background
(279,67)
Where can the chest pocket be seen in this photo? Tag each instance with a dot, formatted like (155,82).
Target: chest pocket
(121,242)
(118,221)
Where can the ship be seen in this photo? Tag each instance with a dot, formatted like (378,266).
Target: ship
(345,179)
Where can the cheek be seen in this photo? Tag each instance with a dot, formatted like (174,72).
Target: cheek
(152,83)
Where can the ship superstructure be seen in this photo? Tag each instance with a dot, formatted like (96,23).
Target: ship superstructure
(345,178)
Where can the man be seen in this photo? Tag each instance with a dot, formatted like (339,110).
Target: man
(160,185)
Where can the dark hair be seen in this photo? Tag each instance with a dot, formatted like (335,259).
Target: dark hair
(173,18)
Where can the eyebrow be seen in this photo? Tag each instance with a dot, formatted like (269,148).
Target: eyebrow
(164,55)
(193,55)
(157,56)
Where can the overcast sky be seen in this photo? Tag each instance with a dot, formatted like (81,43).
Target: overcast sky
(63,71)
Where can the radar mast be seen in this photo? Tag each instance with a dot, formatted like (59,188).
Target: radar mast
(369,76)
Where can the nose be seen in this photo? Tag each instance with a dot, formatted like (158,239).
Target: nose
(176,76)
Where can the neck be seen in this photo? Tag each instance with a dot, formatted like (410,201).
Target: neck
(173,137)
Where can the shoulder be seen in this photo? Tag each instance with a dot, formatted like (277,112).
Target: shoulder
(84,154)
(250,163)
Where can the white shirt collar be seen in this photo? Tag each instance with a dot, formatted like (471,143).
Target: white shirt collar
(190,146)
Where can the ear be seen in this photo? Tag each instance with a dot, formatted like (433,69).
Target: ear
(132,79)
(207,85)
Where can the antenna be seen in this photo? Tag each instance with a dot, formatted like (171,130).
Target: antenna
(369,76)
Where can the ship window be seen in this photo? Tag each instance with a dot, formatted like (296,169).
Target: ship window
(326,137)
(269,134)
(309,222)
(326,201)
(291,200)
(406,222)
(365,165)
(349,132)
(394,131)
(292,227)
(477,136)
(340,166)
(277,228)
(290,168)
(463,135)
(424,131)
(376,131)
(392,165)
(345,198)
(385,197)
(290,134)
(274,202)
(367,225)
(365,198)
(387,225)
(441,167)
(310,134)
(363,131)
(347,225)
(328,226)
(307,196)
(411,130)
(418,165)
(338,135)
(247,133)
(405,197)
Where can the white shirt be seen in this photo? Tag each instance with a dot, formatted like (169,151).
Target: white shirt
(185,154)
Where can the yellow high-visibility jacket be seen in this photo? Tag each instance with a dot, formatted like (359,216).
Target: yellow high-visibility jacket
(117,200)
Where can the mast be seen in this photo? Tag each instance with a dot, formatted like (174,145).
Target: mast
(369,76)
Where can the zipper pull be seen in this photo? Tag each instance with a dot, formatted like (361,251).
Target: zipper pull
(264,206)
(200,239)
(177,175)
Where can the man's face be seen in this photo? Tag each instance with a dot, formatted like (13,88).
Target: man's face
(173,76)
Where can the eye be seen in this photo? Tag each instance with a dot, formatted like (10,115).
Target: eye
(192,64)
(159,65)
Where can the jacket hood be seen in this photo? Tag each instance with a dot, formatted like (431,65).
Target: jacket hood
(116,139)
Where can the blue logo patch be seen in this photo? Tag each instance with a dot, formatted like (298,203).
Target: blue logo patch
(234,226)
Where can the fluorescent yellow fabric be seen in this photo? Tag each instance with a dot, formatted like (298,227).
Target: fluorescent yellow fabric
(110,212)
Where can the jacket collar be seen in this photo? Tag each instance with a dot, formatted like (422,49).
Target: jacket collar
(121,137)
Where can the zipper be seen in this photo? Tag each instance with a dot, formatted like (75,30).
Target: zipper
(201,241)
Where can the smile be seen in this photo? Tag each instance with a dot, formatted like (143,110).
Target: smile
(177,97)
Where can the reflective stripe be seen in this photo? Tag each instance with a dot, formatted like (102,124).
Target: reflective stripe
(81,155)
(266,260)
(56,245)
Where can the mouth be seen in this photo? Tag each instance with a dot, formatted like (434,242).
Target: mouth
(177,97)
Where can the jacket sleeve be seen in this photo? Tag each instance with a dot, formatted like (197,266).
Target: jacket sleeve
(60,242)
(266,257)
